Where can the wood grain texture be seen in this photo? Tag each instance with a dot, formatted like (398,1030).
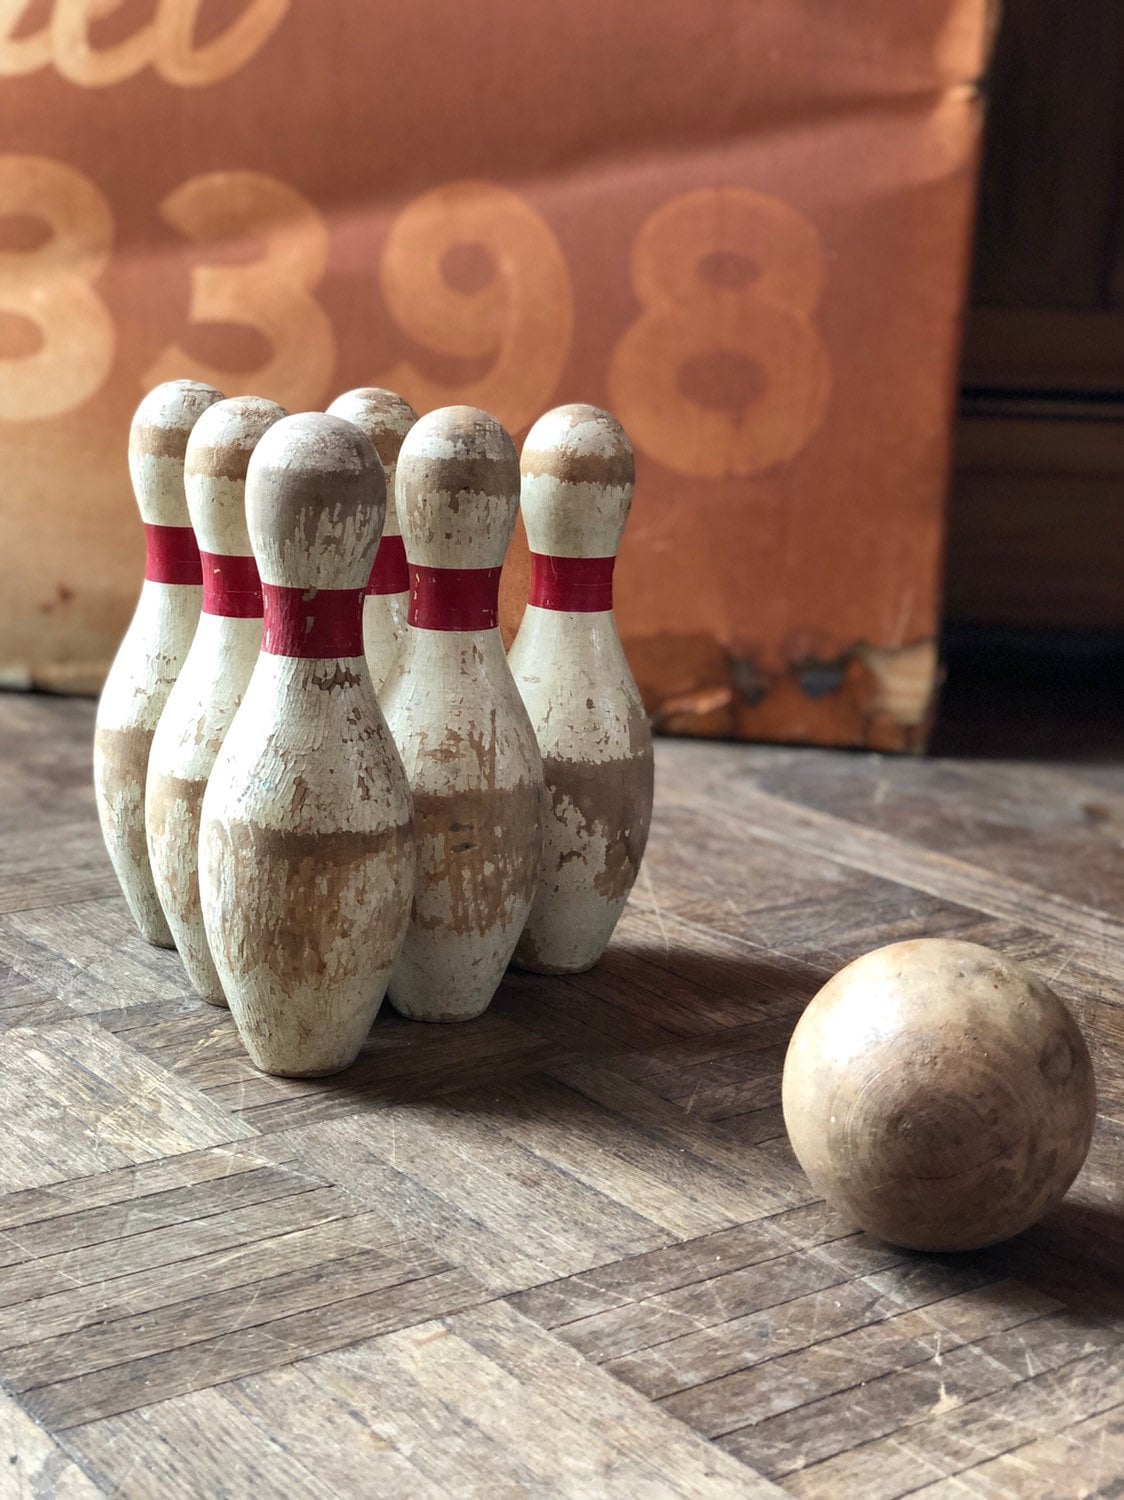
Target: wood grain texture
(564,1250)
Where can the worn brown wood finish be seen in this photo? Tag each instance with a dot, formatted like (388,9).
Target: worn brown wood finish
(564,1249)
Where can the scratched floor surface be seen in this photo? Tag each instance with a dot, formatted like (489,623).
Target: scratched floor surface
(564,1249)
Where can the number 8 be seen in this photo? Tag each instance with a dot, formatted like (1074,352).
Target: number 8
(766,319)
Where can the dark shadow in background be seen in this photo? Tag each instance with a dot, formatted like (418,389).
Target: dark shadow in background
(1031,695)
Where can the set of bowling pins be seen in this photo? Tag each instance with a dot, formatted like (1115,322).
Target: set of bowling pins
(318,774)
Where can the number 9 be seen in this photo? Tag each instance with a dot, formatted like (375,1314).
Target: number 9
(521,317)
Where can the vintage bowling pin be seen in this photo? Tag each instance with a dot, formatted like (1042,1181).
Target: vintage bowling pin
(572,674)
(306,853)
(386,419)
(464,735)
(212,680)
(156,642)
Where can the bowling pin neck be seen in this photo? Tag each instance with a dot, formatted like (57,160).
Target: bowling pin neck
(157,446)
(571,585)
(314,624)
(577,482)
(454,600)
(390,573)
(386,419)
(457,490)
(315,499)
(295,691)
(579,647)
(471,666)
(215,465)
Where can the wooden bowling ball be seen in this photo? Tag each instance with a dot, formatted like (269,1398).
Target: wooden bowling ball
(939,1094)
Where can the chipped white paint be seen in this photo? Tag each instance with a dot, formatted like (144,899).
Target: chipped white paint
(384,625)
(386,419)
(306,851)
(211,682)
(571,671)
(151,652)
(465,739)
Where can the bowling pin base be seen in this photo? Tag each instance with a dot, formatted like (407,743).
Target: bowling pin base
(570,924)
(172,810)
(304,1001)
(420,1002)
(120,763)
(135,692)
(303,929)
(529,963)
(437,1017)
(308,1044)
(199,711)
(442,976)
(281,1072)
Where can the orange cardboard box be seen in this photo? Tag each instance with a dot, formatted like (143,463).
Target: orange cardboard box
(742,228)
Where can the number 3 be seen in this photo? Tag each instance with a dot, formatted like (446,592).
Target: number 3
(50,287)
(271,294)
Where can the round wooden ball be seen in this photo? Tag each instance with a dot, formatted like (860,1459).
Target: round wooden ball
(939,1094)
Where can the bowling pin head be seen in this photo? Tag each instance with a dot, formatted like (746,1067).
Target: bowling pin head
(386,419)
(218,455)
(457,489)
(157,444)
(577,481)
(315,500)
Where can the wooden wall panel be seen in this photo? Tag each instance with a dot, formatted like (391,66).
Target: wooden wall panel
(1049,210)
(1036,527)
(1035,533)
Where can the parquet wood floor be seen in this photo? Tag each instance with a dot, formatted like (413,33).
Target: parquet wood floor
(563,1250)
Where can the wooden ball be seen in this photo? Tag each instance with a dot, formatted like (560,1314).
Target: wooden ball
(939,1094)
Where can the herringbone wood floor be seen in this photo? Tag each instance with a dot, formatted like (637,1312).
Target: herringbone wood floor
(564,1249)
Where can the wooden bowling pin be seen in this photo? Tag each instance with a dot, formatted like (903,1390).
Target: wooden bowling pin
(465,739)
(212,680)
(156,642)
(572,674)
(306,853)
(386,419)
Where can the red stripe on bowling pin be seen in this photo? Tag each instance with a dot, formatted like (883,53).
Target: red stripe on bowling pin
(315,624)
(231,586)
(171,554)
(454,598)
(583,585)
